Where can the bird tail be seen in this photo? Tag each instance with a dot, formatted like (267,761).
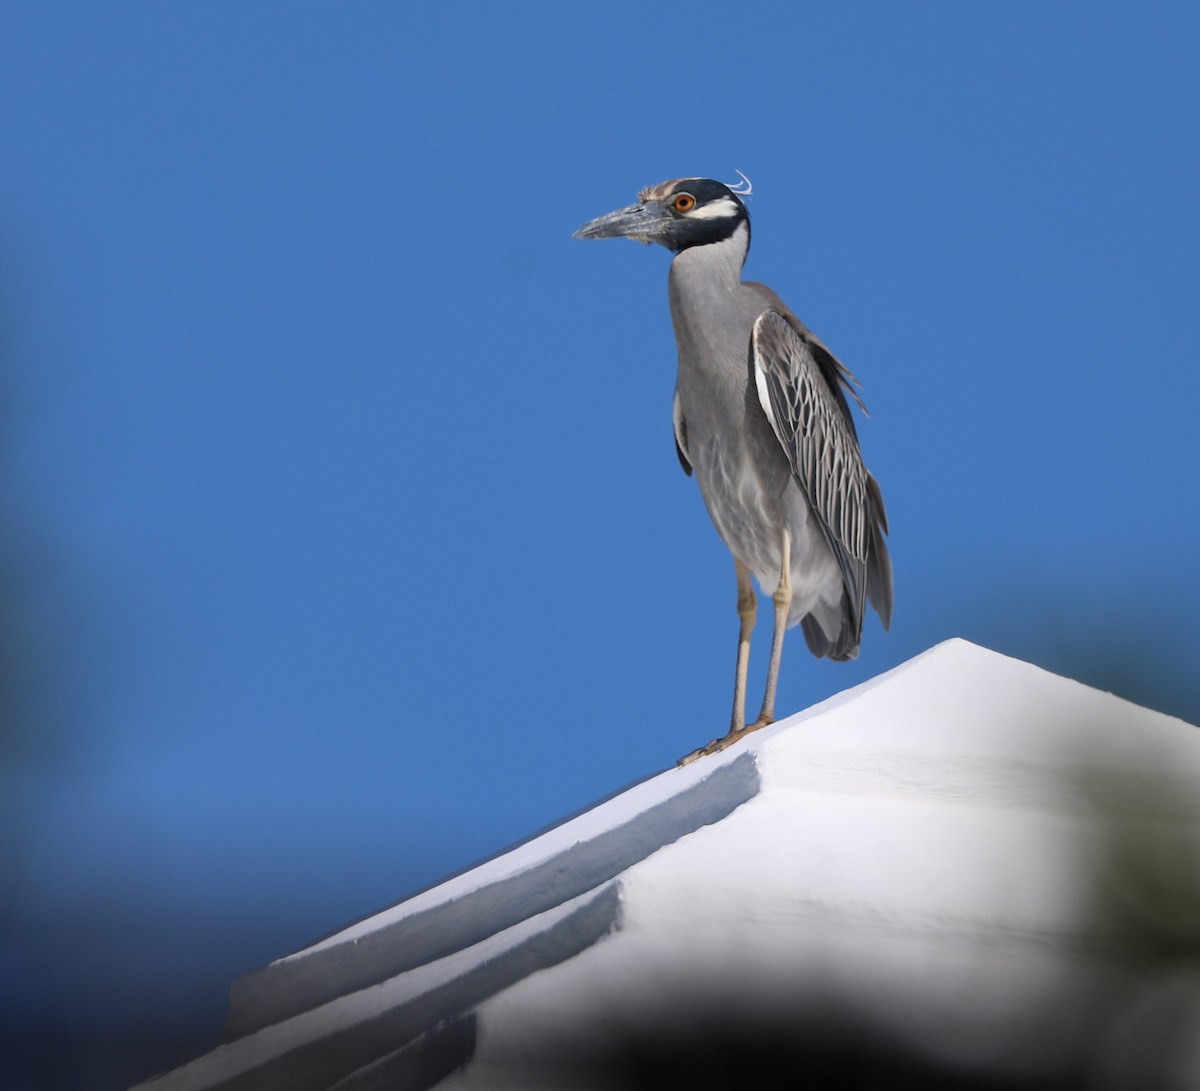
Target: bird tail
(879,561)
(841,647)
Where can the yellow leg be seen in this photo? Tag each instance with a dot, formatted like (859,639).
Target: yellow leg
(747,608)
(783,604)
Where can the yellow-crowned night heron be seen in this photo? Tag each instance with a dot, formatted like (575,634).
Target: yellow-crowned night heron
(761,418)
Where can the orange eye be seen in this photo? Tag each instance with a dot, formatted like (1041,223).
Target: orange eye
(685,202)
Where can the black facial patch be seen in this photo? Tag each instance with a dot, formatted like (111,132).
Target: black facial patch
(689,230)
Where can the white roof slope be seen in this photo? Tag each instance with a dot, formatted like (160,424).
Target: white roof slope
(966,865)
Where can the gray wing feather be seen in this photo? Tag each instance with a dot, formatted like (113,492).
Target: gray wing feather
(812,422)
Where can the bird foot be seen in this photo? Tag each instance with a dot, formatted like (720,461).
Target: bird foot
(717,745)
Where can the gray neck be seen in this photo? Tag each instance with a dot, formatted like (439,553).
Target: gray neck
(715,262)
(709,307)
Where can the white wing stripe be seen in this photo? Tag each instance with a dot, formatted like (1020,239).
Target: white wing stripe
(764,397)
(809,427)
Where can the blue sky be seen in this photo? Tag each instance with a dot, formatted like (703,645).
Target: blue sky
(343,536)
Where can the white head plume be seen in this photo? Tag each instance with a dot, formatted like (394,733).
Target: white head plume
(743,188)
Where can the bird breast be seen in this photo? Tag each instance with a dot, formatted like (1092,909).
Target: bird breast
(742,470)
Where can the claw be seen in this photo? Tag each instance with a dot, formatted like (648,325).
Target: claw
(717,745)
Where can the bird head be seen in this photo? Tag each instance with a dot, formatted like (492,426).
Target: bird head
(677,214)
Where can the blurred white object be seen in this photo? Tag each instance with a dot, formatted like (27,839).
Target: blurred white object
(966,866)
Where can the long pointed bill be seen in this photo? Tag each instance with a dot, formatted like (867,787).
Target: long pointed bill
(642,222)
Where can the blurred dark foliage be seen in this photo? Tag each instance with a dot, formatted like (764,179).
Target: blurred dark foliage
(35,691)
(50,663)
(723,1053)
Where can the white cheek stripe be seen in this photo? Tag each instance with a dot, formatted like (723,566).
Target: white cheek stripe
(725,208)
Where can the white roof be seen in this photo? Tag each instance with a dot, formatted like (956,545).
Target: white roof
(927,856)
